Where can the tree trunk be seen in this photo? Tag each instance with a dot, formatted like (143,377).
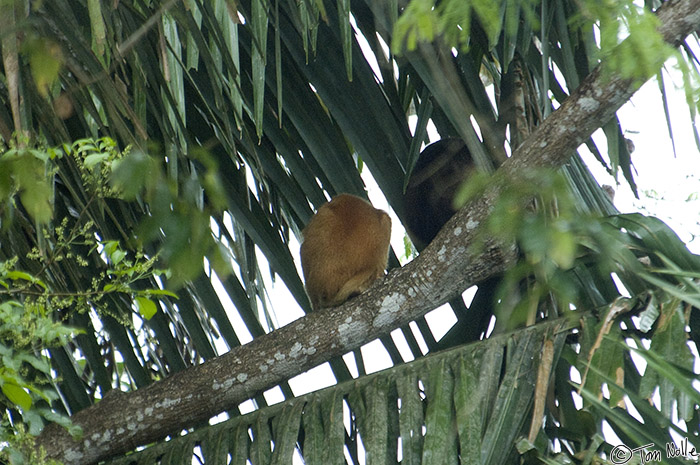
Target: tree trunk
(123,421)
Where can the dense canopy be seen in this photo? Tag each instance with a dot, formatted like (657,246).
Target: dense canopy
(160,158)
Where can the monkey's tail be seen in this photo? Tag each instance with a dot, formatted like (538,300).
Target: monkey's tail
(356,285)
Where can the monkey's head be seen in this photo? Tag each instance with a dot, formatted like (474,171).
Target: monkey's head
(441,169)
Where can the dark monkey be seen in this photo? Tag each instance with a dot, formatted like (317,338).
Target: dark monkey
(441,169)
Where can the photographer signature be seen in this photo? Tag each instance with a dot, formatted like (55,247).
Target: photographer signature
(622,454)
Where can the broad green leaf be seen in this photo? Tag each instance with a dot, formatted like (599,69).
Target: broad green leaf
(346,36)
(440,445)
(240,442)
(259,21)
(37,201)
(16,275)
(314,445)
(93,160)
(161,292)
(215,447)
(17,395)
(98,27)
(334,428)
(131,174)
(147,308)
(45,61)
(599,349)
(286,432)
(117,256)
(513,399)
(410,419)
(260,448)
(375,425)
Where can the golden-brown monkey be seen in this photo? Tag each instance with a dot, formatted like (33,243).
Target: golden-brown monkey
(345,248)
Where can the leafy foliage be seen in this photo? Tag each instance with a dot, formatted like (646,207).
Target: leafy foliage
(25,372)
(36,306)
(237,119)
(407,412)
(23,331)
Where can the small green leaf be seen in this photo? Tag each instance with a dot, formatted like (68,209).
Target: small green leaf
(45,61)
(92,160)
(97,25)
(117,256)
(17,395)
(259,24)
(147,308)
(16,275)
(132,173)
(563,248)
(41,364)
(110,246)
(34,421)
(161,292)
(37,201)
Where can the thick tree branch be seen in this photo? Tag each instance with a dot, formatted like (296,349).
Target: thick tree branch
(121,422)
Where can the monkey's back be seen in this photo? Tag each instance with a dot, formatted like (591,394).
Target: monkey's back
(345,248)
(441,169)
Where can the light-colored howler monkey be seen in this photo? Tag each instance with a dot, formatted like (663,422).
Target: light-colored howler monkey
(345,249)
